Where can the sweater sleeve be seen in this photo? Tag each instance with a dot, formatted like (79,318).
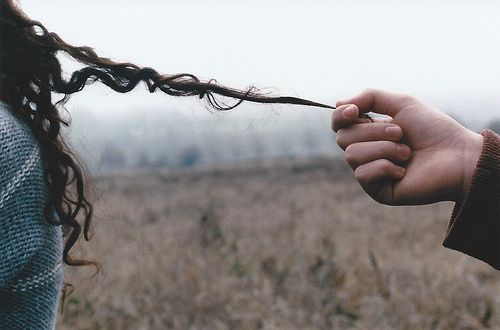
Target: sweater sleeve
(474,227)
(22,198)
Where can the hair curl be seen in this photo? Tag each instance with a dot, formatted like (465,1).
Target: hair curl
(30,72)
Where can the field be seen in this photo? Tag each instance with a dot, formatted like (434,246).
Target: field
(284,245)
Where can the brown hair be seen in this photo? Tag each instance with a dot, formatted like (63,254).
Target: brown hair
(30,72)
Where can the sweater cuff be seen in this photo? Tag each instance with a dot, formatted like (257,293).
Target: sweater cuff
(474,227)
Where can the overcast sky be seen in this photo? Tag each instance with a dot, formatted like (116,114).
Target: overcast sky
(446,52)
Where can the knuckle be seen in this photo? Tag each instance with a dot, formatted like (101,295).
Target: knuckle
(385,165)
(373,132)
(390,148)
(368,90)
(360,174)
(336,120)
(350,154)
(387,149)
(340,139)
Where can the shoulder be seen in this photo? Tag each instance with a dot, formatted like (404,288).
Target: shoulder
(19,149)
(22,194)
(21,167)
(13,130)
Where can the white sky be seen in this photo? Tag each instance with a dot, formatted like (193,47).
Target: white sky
(446,52)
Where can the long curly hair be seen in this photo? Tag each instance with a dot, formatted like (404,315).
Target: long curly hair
(29,75)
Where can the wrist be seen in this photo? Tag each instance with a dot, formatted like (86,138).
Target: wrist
(472,151)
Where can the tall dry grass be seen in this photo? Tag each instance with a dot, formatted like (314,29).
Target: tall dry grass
(291,245)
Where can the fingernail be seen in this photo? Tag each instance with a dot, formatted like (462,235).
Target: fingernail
(350,111)
(402,172)
(404,150)
(394,131)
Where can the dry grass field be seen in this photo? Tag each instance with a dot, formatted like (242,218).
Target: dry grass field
(284,245)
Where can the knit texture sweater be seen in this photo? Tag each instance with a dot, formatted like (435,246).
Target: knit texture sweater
(30,248)
(474,227)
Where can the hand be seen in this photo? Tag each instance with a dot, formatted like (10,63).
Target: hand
(417,156)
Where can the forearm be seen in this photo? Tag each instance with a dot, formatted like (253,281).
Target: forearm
(474,227)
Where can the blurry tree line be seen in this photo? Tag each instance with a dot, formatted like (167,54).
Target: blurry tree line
(181,139)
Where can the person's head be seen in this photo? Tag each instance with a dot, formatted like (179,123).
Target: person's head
(30,74)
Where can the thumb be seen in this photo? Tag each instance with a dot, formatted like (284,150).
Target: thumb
(378,101)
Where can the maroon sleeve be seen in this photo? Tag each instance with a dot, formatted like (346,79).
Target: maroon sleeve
(474,227)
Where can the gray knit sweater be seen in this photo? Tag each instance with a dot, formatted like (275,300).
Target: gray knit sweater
(30,249)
